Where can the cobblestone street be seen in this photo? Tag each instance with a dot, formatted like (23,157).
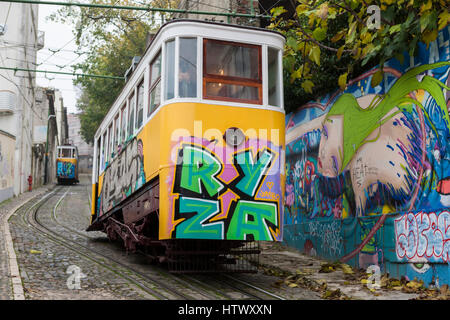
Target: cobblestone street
(58,260)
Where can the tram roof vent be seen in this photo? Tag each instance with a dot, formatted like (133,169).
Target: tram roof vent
(134,63)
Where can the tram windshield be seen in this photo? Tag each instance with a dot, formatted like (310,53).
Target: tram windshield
(232,71)
(66,153)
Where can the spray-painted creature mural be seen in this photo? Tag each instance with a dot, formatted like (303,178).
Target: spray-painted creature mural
(221,192)
(369,153)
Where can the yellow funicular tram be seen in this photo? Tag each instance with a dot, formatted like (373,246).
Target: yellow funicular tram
(67,164)
(189,160)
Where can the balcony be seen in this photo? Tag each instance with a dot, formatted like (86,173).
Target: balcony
(7,102)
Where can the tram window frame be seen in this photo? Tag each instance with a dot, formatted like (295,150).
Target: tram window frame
(116,132)
(169,70)
(111,141)
(123,123)
(193,74)
(138,107)
(209,78)
(154,84)
(131,109)
(103,151)
(274,75)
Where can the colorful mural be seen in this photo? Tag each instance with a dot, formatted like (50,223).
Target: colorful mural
(357,159)
(221,192)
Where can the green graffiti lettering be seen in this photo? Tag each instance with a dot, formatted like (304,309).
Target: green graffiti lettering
(195,227)
(250,217)
(199,166)
(253,172)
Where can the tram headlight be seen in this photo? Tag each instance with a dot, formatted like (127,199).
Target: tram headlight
(234,137)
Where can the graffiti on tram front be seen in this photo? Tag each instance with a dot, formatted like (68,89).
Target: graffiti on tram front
(66,169)
(223,193)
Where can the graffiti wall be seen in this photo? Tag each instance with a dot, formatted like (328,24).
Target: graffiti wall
(7,145)
(221,192)
(367,169)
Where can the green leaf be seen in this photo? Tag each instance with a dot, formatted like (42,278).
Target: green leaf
(376,78)
(308,85)
(340,51)
(342,81)
(425,20)
(291,42)
(314,55)
(319,34)
(275,12)
(429,36)
(395,28)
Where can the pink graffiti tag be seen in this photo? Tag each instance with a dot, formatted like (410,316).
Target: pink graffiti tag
(423,235)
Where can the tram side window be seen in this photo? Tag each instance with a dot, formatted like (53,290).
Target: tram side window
(232,71)
(123,122)
(103,152)
(274,81)
(131,106)
(170,70)
(140,105)
(155,84)
(116,132)
(111,142)
(187,79)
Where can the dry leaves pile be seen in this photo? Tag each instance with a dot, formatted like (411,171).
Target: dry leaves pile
(353,276)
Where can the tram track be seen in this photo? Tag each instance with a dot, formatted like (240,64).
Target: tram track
(42,216)
(153,279)
(30,219)
(250,291)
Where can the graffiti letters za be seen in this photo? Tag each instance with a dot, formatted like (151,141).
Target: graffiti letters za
(218,200)
(123,176)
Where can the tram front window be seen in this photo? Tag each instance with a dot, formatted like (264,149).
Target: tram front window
(232,71)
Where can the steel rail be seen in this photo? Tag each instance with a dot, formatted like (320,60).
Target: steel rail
(31,220)
(139,273)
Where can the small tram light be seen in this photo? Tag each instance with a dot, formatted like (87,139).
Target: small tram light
(234,137)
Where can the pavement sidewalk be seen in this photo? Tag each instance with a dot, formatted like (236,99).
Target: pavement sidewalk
(7,266)
(332,280)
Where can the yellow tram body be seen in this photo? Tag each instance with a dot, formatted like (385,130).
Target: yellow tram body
(67,164)
(200,167)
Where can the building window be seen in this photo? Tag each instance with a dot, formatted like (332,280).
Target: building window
(232,71)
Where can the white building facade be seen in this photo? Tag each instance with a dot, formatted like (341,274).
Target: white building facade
(19,42)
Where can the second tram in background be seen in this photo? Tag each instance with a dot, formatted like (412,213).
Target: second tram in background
(189,160)
(67,164)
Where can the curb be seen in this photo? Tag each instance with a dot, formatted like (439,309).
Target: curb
(16,280)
